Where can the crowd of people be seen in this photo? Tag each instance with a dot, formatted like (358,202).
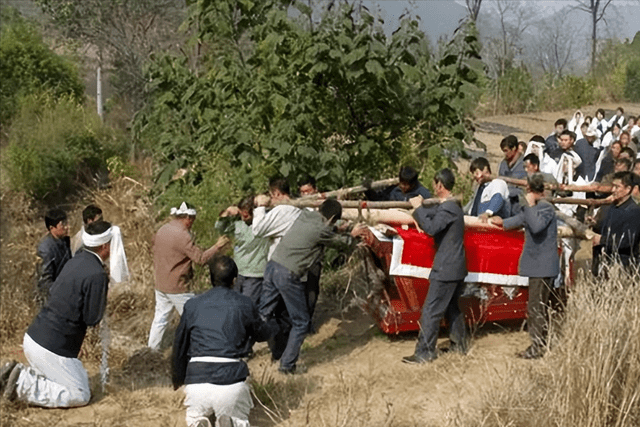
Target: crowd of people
(269,289)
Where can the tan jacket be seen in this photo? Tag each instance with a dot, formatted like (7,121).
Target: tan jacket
(173,253)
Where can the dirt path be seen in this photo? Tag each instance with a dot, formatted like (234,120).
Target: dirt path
(355,375)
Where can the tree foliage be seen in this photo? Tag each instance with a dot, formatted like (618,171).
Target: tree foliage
(335,99)
(28,66)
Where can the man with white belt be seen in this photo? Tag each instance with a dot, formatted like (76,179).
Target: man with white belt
(210,341)
(78,298)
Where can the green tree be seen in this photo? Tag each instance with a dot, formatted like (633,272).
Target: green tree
(334,99)
(28,66)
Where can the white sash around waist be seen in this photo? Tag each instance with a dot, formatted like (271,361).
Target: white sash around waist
(213,359)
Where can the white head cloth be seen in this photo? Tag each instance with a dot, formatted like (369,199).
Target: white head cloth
(94,240)
(183,210)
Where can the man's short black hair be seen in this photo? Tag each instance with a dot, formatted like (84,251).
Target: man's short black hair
(532,158)
(571,134)
(408,174)
(246,204)
(562,122)
(601,111)
(537,138)
(626,162)
(307,179)
(222,270)
(625,177)
(90,212)
(280,184)
(53,217)
(509,142)
(480,163)
(536,183)
(620,109)
(446,178)
(331,209)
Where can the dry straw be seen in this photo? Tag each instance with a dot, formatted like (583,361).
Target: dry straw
(590,376)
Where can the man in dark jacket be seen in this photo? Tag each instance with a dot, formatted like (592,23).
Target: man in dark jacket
(619,227)
(539,260)
(445,223)
(211,339)
(54,251)
(56,378)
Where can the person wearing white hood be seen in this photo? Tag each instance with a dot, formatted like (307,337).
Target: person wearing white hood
(118,267)
(56,377)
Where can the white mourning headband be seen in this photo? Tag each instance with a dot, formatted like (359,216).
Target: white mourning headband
(95,240)
(183,210)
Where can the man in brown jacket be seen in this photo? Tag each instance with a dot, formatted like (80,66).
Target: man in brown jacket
(173,254)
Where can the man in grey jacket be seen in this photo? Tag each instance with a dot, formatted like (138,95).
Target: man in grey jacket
(298,250)
(445,223)
(539,260)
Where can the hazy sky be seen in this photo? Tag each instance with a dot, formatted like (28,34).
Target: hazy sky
(441,17)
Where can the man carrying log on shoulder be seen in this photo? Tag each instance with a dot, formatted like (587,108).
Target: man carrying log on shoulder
(445,223)
(539,260)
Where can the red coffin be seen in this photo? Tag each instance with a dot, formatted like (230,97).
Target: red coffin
(492,263)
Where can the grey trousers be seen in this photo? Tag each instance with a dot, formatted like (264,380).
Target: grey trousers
(538,312)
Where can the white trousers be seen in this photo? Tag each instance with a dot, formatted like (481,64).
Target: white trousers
(52,381)
(233,400)
(165,303)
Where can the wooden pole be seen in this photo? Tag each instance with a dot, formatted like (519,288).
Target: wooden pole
(561,187)
(364,204)
(351,190)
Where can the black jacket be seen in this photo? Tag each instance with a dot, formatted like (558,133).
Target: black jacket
(54,254)
(78,299)
(218,323)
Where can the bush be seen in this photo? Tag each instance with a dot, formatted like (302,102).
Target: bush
(56,145)
(632,83)
(28,66)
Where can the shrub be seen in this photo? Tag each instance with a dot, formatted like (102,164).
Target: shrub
(632,83)
(56,145)
(28,66)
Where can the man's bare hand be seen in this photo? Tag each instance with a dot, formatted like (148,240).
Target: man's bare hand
(596,239)
(359,230)
(483,218)
(262,200)
(416,202)
(230,211)
(496,220)
(222,243)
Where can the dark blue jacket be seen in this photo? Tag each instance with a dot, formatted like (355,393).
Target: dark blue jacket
(218,323)
(445,223)
(589,155)
(78,299)
(54,254)
(620,231)
(539,256)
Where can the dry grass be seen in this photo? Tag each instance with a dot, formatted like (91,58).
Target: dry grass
(590,377)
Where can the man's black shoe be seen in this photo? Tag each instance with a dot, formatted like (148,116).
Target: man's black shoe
(416,360)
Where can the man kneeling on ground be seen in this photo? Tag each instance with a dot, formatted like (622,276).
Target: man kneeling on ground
(211,338)
(78,298)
